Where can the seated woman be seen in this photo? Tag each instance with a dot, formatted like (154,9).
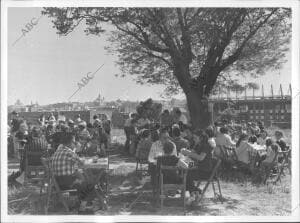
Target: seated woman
(268,163)
(272,149)
(144,145)
(263,136)
(172,176)
(242,147)
(202,154)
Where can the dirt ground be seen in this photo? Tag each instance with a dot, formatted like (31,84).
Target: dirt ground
(240,197)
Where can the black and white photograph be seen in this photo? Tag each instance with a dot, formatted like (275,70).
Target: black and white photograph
(154,111)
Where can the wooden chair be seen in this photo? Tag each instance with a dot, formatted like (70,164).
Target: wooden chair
(213,177)
(270,168)
(285,164)
(229,160)
(165,188)
(53,187)
(34,173)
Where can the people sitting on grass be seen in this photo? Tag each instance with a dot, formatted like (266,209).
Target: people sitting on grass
(63,163)
(179,141)
(144,145)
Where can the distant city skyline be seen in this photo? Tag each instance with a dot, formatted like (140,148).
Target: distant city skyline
(46,68)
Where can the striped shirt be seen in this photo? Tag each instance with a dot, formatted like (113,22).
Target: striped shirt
(63,161)
(37,144)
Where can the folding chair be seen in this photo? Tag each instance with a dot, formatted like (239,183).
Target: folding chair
(165,188)
(285,164)
(34,173)
(229,159)
(53,187)
(211,179)
(270,168)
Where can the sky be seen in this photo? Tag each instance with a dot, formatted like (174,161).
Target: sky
(46,68)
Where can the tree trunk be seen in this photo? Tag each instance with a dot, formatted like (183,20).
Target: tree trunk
(198,109)
(197,105)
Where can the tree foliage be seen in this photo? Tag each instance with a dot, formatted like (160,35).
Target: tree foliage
(192,49)
(148,41)
(149,109)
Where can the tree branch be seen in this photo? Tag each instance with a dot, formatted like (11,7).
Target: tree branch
(144,41)
(231,59)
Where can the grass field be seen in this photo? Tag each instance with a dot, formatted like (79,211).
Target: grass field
(240,197)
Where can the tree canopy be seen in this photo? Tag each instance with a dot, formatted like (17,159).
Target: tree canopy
(193,49)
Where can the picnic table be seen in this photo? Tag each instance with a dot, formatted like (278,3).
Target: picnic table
(250,153)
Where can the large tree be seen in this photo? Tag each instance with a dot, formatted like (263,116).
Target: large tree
(191,49)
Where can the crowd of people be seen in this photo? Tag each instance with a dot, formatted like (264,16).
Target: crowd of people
(64,140)
(171,141)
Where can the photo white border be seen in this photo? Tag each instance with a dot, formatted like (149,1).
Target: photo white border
(294,4)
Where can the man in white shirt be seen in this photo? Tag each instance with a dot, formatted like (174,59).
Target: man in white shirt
(157,147)
(223,139)
(157,151)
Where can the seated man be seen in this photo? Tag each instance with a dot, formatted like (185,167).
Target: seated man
(179,141)
(144,145)
(63,164)
(156,151)
(36,143)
